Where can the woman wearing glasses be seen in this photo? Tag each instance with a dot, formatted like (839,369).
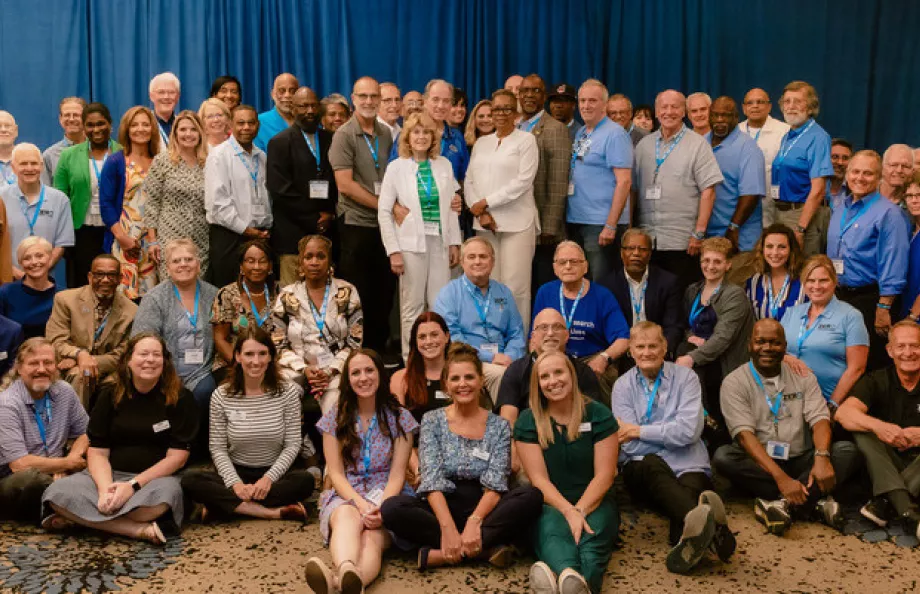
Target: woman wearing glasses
(911,296)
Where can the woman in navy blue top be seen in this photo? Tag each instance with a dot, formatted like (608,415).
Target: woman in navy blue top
(28,301)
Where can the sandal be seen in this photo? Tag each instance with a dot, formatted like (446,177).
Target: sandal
(319,578)
(350,581)
(423,558)
(54,522)
(152,533)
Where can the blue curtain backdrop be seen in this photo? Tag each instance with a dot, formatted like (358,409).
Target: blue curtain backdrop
(862,55)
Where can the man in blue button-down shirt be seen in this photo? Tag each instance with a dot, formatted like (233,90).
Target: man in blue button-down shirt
(868,240)
(660,411)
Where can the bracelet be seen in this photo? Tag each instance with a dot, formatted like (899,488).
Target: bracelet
(884,306)
(610,227)
(914,318)
(823,453)
(800,229)
(475,517)
(733,226)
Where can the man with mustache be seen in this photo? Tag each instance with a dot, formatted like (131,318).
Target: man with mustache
(390,108)
(39,413)
(300,181)
(281,116)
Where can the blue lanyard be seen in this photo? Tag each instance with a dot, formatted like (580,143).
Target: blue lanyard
(320,320)
(697,308)
(528,126)
(38,209)
(782,153)
(255,310)
(163,135)
(637,305)
(570,317)
(192,318)
(366,443)
(659,160)
(651,392)
(583,142)
(803,333)
(775,403)
(477,296)
(96,165)
(315,151)
(8,174)
(252,169)
(756,136)
(845,224)
(46,409)
(427,184)
(374,149)
(102,324)
(774,303)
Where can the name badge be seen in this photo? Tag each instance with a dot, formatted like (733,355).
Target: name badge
(653,193)
(774,192)
(375,496)
(584,428)
(161,426)
(433,229)
(94,208)
(838,265)
(480,454)
(237,415)
(319,189)
(441,395)
(324,359)
(778,450)
(258,210)
(193,356)
(377,186)
(571,188)
(4,355)
(490,347)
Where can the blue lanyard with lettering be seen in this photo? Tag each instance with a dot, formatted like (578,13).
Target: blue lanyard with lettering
(255,310)
(805,333)
(659,160)
(374,149)
(651,392)
(477,296)
(38,209)
(846,222)
(773,404)
(782,153)
(316,153)
(773,304)
(425,183)
(570,317)
(102,324)
(43,410)
(366,443)
(637,305)
(320,321)
(252,169)
(192,319)
(697,308)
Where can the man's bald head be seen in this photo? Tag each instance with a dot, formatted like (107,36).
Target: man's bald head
(283,90)
(365,96)
(8,129)
(549,332)
(305,109)
(723,116)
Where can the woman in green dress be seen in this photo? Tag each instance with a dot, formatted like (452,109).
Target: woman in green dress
(568,447)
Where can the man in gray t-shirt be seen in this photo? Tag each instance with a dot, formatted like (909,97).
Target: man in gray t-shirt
(781,426)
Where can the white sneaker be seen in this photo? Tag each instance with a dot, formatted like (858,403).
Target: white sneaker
(571,582)
(542,579)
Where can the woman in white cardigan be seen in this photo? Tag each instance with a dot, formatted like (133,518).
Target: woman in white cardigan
(499,192)
(420,232)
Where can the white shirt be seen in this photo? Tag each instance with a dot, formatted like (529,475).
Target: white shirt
(768,139)
(635,295)
(93,214)
(394,129)
(503,174)
(231,197)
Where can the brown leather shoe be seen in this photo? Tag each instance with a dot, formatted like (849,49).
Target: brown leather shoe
(296,512)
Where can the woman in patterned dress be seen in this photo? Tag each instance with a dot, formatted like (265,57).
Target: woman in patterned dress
(175,192)
(367,439)
(122,203)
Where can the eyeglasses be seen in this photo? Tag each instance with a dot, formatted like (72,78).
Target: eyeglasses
(183,260)
(390,100)
(215,116)
(547,327)
(502,110)
(757,102)
(635,248)
(367,96)
(566,261)
(105,275)
(912,195)
(530,91)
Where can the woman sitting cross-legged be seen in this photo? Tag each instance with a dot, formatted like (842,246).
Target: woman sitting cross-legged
(254,439)
(367,438)
(140,433)
(465,455)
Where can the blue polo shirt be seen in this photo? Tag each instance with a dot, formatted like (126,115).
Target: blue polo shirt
(594,157)
(872,238)
(270,123)
(804,154)
(824,347)
(742,165)
(453,148)
(596,323)
(54,222)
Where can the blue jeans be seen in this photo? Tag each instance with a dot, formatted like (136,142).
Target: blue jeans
(202,393)
(601,259)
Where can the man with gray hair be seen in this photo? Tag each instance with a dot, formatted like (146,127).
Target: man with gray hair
(698,105)
(9,131)
(768,133)
(36,209)
(164,94)
(390,108)
(281,115)
(70,116)
(620,110)
(897,167)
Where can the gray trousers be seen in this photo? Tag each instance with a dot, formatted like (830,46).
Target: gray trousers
(815,233)
(21,495)
(889,469)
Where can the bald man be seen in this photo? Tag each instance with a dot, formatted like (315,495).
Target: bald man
(300,181)
(281,116)
(9,131)
(767,132)
(897,167)
(36,209)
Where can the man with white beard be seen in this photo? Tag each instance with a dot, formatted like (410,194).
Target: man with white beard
(801,167)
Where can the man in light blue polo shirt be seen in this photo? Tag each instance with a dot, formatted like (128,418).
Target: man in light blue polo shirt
(597,212)
(33,208)
(801,167)
(737,213)
(282,115)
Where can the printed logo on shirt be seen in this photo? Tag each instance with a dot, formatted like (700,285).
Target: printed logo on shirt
(453,148)
(501,302)
(583,324)
(793,396)
(46,212)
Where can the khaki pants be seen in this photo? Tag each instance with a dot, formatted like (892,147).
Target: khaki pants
(815,233)
(513,265)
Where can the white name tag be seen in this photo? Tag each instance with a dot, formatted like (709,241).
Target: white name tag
(490,347)
(441,395)
(258,210)
(584,428)
(774,192)
(778,450)
(433,229)
(319,189)
(324,360)
(653,193)
(481,454)
(161,426)
(377,186)
(193,356)
(3,355)
(375,496)
(237,415)
(571,188)
(838,265)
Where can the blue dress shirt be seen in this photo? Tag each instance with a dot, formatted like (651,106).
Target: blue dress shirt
(743,170)
(270,123)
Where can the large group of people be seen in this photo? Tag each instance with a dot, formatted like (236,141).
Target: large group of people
(626,294)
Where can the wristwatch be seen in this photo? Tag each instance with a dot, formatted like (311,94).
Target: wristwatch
(823,453)
(799,229)
(733,226)
(135,485)
(700,235)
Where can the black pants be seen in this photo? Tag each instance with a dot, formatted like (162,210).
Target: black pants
(681,264)
(224,267)
(651,481)
(87,245)
(542,269)
(364,263)
(21,495)
(411,518)
(865,299)
(207,488)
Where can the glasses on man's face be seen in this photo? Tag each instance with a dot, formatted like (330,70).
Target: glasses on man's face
(530,91)
(563,262)
(105,275)
(757,102)
(390,100)
(547,327)
(367,96)
(502,110)
(912,195)
(182,260)
(635,248)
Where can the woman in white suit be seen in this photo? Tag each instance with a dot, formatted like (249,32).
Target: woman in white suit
(420,232)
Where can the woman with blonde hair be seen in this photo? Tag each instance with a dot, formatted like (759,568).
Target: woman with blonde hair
(175,191)
(123,204)
(421,234)
(214,115)
(480,122)
(29,300)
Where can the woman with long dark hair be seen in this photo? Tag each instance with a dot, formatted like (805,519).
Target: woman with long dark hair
(776,286)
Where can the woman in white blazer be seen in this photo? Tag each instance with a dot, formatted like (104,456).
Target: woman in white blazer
(420,232)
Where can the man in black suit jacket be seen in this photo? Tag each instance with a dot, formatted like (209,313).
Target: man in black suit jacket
(662,303)
(301,182)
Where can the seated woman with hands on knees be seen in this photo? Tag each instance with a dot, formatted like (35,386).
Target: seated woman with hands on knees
(254,439)
(140,433)
(367,439)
